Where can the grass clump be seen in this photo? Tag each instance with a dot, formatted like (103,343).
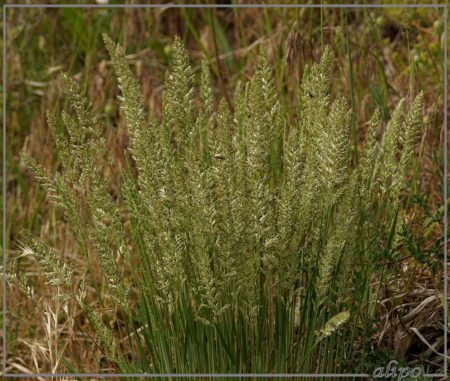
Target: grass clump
(257,239)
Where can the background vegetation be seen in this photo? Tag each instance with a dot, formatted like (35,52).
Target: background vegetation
(382,55)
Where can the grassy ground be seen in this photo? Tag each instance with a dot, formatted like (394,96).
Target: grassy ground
(383,55)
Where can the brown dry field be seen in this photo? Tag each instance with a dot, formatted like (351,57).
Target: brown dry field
(392,53)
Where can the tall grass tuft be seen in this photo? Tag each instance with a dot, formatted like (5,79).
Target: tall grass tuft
(257,240)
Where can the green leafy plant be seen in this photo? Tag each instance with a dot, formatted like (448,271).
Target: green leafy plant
(257,240)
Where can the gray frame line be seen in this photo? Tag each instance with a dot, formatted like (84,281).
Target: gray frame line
(173,5)
(223,375)
(194,375)
(445,198)
(186,375)
(4,192)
